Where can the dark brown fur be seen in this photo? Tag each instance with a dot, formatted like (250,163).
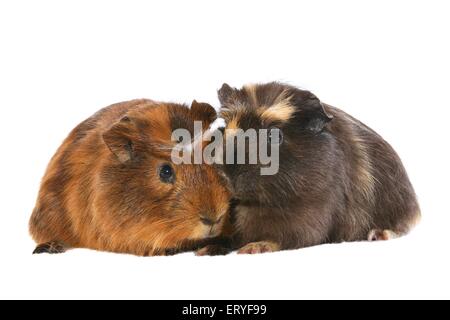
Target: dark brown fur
(338,179)
(102,188)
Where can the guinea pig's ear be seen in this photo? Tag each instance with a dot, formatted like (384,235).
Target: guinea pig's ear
(226,94)
(203,110)
(312,114)
(119,139)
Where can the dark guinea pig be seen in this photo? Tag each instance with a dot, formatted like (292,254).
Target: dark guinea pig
(112,185)
(338,180)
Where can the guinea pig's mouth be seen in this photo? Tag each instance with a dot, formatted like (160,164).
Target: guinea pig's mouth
(212,233)
(206,232)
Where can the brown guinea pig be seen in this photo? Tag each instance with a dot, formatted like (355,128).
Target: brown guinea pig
(337,180)
(112,185)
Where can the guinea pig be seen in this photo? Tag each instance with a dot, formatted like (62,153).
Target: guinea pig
(113,186)
(337,180)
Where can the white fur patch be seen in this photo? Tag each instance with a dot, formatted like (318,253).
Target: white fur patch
(217,124)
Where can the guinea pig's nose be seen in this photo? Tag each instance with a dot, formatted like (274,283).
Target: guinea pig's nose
(207,221)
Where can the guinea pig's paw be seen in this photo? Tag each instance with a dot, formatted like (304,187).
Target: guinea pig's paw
(381,235)
(259,247)
(52,247)
(213,250)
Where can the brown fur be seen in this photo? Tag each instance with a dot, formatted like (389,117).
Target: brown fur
(102,189)
(338,179)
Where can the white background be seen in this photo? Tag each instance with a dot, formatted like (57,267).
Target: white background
(384,62)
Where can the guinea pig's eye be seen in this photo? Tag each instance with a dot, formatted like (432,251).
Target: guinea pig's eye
(166,174)
(275,136)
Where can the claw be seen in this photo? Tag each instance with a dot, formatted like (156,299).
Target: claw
(52,247)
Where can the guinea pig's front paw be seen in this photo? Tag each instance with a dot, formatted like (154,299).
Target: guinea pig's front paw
(381,235)
(259,247)
(52,247)
(213,250)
